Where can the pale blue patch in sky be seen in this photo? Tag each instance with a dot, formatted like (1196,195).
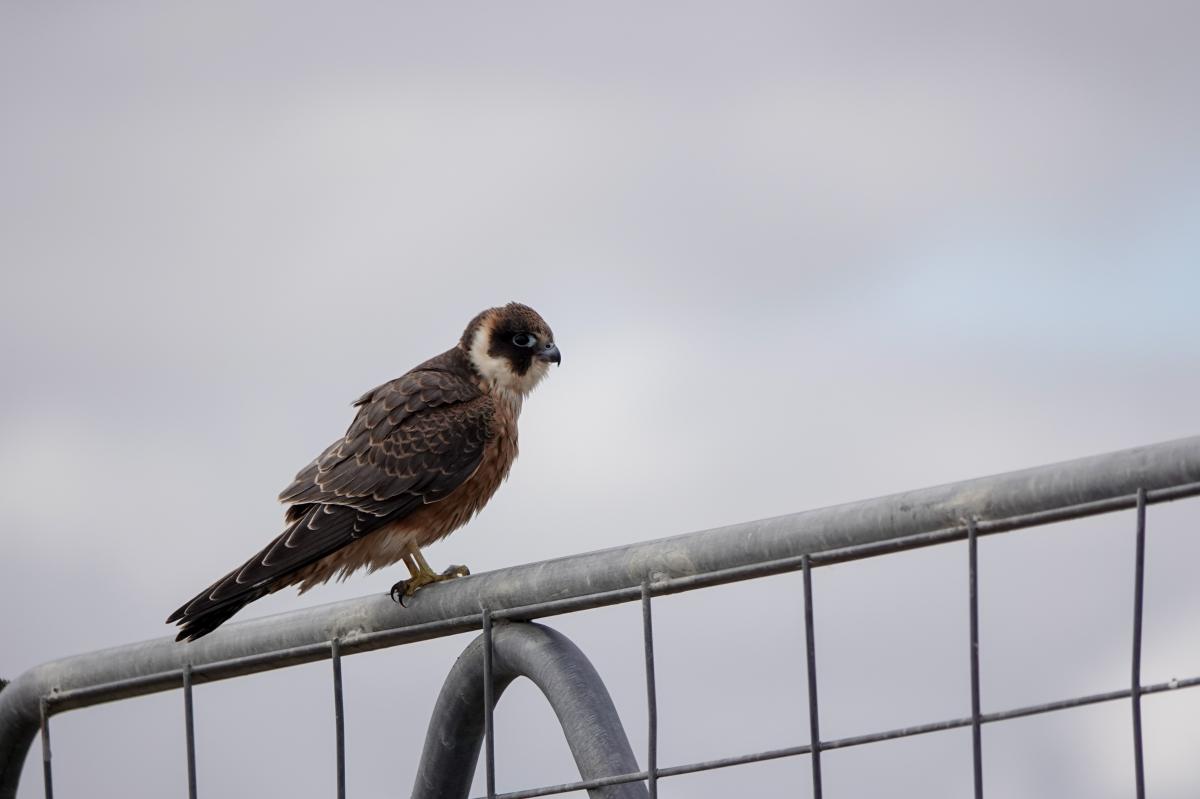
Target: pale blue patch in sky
(1124,289)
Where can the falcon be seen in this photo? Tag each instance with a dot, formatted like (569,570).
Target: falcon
(424,454)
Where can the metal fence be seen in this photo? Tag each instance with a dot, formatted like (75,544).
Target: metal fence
(492,602)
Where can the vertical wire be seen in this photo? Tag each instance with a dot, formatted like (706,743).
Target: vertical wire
(189,729)
(651,694)
(489,744)
(973,601)
(814,727)
(47,776)
(1135,692)
(339,716)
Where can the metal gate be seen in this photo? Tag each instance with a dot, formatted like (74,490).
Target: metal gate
(502,605)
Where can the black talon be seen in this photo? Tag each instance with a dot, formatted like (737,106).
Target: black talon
(398,592)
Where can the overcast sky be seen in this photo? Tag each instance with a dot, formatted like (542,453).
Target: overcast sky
(794,254)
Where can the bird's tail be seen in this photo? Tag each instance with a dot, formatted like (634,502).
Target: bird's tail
(311,534)
(195,624)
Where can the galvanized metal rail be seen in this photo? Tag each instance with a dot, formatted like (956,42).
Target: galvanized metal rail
(799,542)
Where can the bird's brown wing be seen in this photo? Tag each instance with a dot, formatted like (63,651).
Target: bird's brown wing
(413,441)
(410,438)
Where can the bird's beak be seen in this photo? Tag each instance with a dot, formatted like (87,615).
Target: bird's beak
(550,354)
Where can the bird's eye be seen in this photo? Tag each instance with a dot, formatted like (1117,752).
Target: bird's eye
(524,340)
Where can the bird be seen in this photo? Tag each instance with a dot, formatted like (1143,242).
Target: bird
(424,454)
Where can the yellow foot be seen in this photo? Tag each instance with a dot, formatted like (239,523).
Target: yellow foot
(423,577)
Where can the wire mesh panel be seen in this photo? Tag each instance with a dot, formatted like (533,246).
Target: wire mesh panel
(1132,480)
(974,722)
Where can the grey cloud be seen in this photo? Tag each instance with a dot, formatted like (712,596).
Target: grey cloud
(794,254)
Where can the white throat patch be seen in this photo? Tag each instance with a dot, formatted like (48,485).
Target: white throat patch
(498,372)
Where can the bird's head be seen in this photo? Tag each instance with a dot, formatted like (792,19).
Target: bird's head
(511,347)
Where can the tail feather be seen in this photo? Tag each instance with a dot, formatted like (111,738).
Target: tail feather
(313,531)
(209,619)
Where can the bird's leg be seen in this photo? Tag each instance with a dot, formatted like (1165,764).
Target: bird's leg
(422,574)
(453,570)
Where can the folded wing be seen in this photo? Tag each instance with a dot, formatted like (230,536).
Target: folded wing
(413,441)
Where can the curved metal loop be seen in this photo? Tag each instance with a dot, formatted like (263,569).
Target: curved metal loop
(570,683)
